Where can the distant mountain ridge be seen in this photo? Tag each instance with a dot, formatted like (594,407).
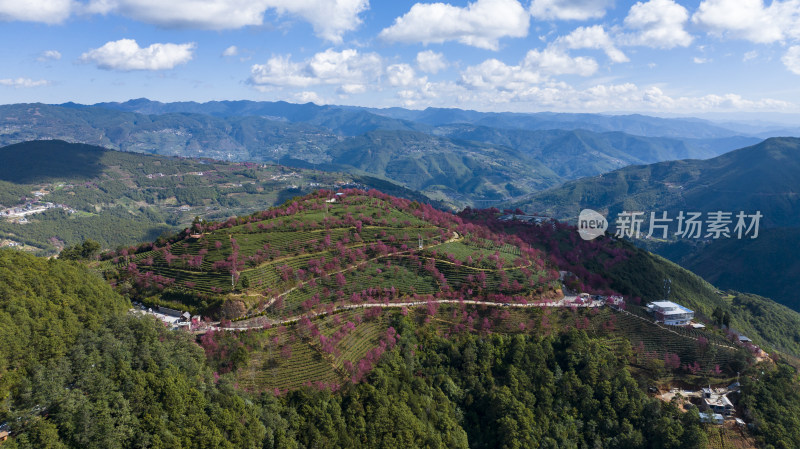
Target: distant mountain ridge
(762,177)
(457,163)
(576,153)
(636,124)
(421,120)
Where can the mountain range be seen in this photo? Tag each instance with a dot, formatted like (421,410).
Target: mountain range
(461,148)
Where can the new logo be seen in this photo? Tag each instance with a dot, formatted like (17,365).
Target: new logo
(591,224)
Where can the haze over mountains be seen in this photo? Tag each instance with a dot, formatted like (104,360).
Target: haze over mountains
(538,150)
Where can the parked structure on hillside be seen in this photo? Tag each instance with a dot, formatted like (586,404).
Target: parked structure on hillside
(717,401)
(712,418)
(531,219)
(670,313)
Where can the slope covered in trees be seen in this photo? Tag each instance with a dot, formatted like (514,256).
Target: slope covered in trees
(607,263)
(124,381)
(371,358)
(762,178)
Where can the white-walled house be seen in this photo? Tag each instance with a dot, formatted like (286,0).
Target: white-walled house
(671,313)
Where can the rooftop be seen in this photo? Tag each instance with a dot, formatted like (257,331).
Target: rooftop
(670,307)
(662,304)
(718,400)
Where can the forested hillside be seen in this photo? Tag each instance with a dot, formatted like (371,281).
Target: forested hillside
(762,178)
(643,276)
(111,374)
(353,336)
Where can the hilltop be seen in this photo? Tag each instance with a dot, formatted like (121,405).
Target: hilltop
(325,249)
(296,275)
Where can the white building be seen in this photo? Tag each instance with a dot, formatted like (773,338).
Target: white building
(670,313)
(712,418)
(717,402)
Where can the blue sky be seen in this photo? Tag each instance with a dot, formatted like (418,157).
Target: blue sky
(658,57)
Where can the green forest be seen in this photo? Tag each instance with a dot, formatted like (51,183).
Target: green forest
(79,371)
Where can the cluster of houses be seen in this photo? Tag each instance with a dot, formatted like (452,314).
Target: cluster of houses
(31,208)
(672,314)
(714,402)
(529,219)
(176,319)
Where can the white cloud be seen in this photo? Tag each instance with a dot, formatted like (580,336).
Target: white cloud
(553,61)
(309,97)
(329,18)
(534,69)
(533,85)
(569,9)
(626,96)
(658,24)
(544,94)
(697,60)
(791,59)
(431,62)
(750,19)
(401,75)
(46,11)
(592,37)
(493,74)
(126,55)
(23,82)
(280,71)
(49,55)
(480,24)
(347,67)
(231,51)
(749,55)
(350,89)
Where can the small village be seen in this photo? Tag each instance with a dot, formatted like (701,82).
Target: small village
(19,214)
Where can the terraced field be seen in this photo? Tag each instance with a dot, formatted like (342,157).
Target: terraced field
(313,253)
(314,278)
(277,368)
